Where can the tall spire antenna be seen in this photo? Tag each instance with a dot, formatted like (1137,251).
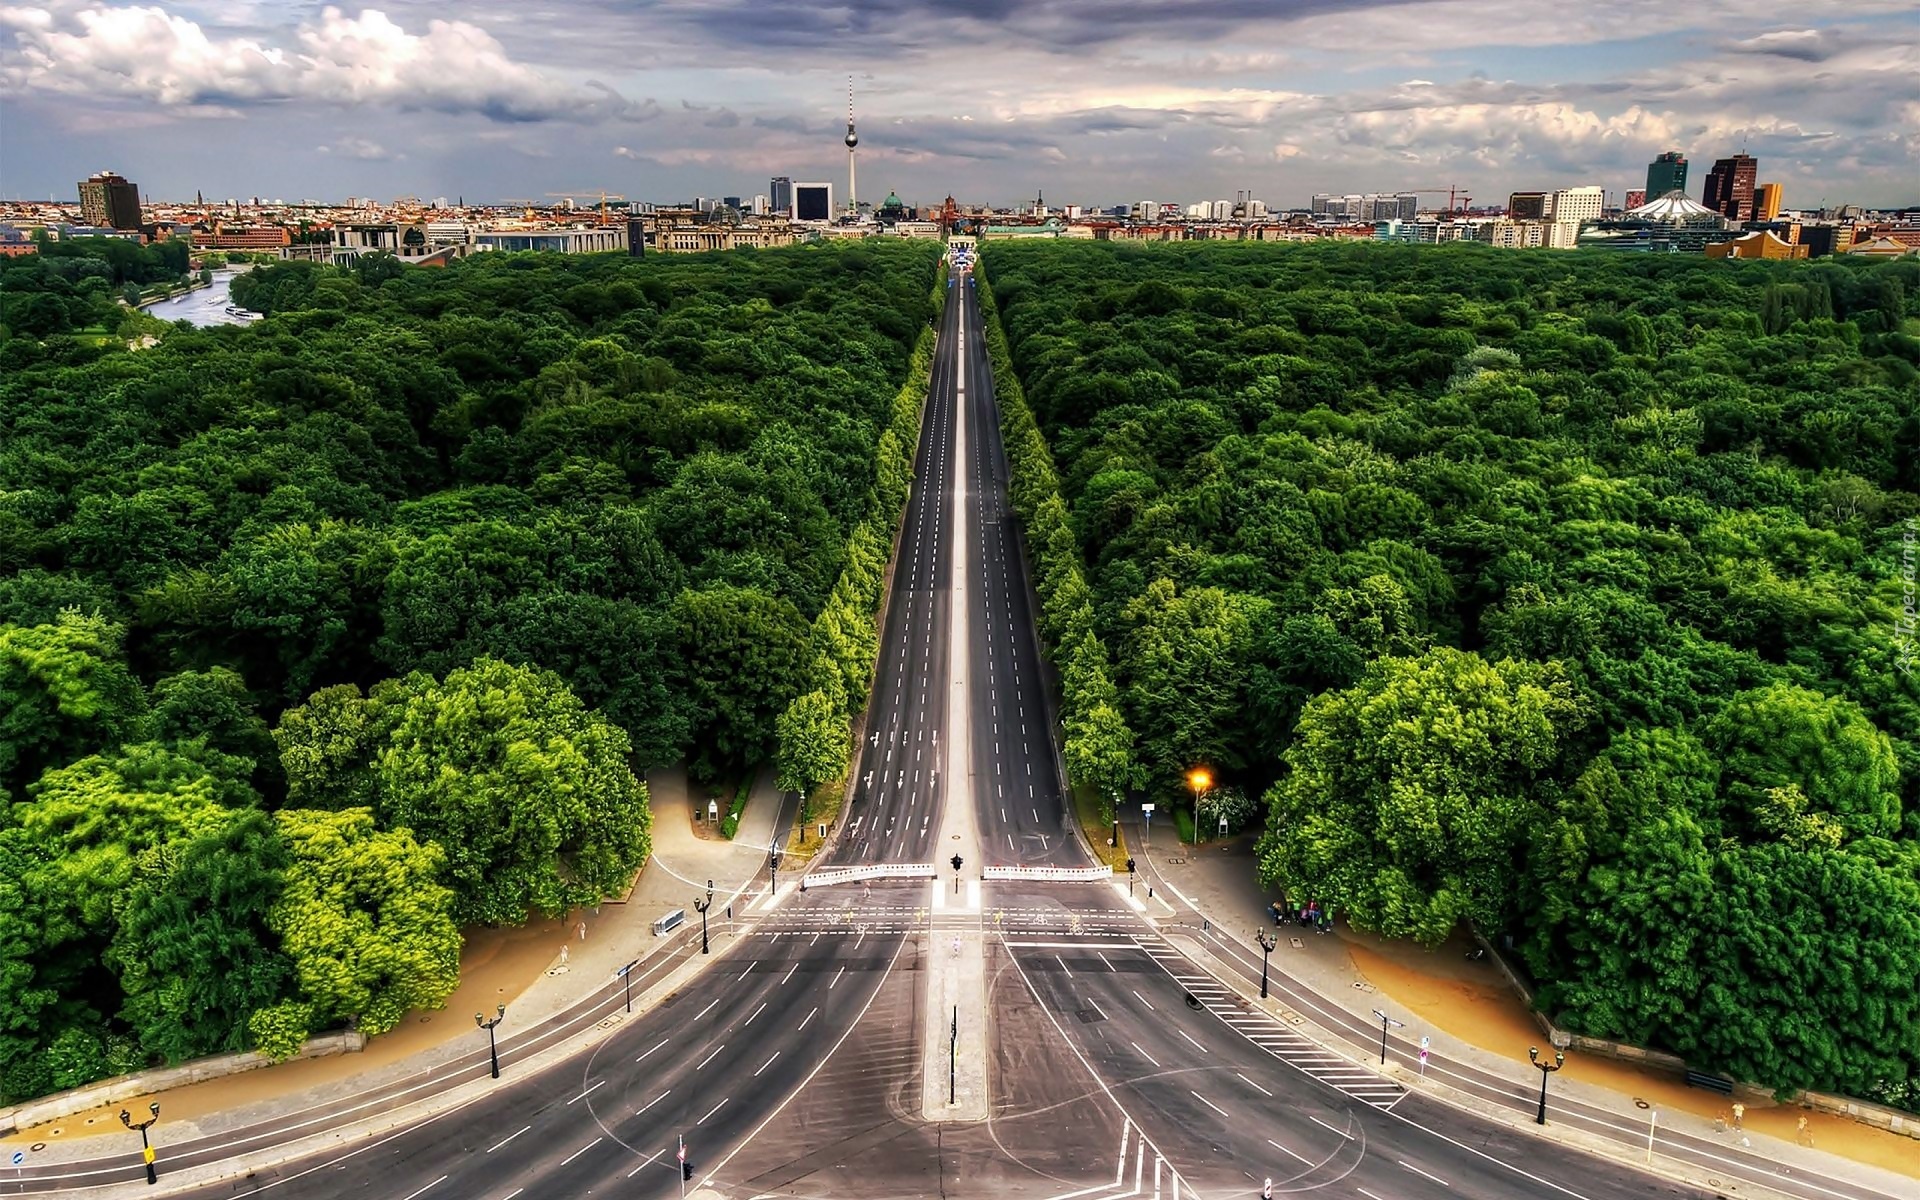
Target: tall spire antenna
(853,140)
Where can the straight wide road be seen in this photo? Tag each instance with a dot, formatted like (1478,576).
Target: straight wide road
(898,789)
(1017,796)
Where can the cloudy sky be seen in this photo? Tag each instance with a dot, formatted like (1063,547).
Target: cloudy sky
(1091,101)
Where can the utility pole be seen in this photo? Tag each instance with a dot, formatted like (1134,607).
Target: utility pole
(953,1056)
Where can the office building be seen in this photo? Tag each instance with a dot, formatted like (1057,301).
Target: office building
(780,195)
(1668,173)
(109,201)
(1766,202)
(1577,204)
(1729,189)
(813,202)
(1527,206)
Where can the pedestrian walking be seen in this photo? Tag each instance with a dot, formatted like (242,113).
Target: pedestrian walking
(1805,1136)
(583,930)
(1739,1116)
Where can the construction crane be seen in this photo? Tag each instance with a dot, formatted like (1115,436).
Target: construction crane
(603,193)
(1453,192)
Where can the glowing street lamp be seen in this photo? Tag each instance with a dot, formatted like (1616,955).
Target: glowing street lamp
(1199,779)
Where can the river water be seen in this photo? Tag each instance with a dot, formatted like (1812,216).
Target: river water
(204,306)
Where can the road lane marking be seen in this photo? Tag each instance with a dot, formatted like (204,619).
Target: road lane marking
(766,1064)
(1183,1033)
(588,1092)
(649,1104)
(1322,1124)
(810,1016)
(582,1150)
(709,1058)
(630,1174)
(1215,1107)
(1250,1083)
(503,1141)
(1144,1000)
(790,971)
(1417,1171)
(443,1179)
(1143,1054)
(656,1046)
(1284,1150)
(756,1012)
(836,979)
(709,1008)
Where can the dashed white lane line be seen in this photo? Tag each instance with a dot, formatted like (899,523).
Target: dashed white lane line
(503,1141)
(709,1058)
(649,1161)
(443,1179)
(589,1091)
(716,1108)
(656,1046)
(766,1064)
(1143,1054)
(757,1012)
(649,1104)
(1215,1107)
(1284,1150)
(1428,1174)
(1183,1033)
(582,1150)
(1250,1083)
(1322,1124)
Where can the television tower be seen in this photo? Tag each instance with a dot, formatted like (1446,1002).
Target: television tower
(853,140)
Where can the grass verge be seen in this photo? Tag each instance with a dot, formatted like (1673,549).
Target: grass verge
(1094,823)
(803,841)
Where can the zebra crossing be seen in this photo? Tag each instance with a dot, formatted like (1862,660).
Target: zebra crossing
(1273,1036)
(1010,921)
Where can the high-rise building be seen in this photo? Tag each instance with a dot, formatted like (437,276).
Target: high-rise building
(1527,206)
(1729,190)
(1577,204)
(109,202)
(780,190)
(1667,173)
(1766,203)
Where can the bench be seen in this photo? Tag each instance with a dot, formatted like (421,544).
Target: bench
(1711,1083)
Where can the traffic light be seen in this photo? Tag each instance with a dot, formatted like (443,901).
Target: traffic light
(1129,866)
(957,860)
(686,1170)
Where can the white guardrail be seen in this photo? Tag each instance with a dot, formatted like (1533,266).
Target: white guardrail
(1056,874)
(870,871)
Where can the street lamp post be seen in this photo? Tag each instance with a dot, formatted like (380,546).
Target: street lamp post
(1267,942)
(701,906)
(493,1047)
(1199,779)
(1559,1057)
(146,1147)
(1386,1022)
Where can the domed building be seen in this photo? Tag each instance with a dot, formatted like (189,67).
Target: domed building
(1667,224)
(891,210)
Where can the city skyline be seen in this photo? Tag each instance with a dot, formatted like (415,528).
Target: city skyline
(1090,103)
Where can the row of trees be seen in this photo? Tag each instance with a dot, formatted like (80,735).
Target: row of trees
(1559,594)
(814,733)
(380,606)
(77,283)
(1098,746)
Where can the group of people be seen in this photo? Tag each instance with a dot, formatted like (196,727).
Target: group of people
(1310,915)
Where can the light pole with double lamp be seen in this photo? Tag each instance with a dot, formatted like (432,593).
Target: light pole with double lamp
(1267,942)
(701,907)
(1199,779)
(493,1047)
(146,1147)
(1546,1069)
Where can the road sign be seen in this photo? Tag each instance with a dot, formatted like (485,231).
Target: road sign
(19,1156)
(1147,809)
(147,1154)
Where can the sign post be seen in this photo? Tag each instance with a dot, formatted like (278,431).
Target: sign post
(1146,833)
(1426,1043)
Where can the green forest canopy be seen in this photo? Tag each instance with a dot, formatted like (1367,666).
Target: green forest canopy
(322,637)
(1555,593)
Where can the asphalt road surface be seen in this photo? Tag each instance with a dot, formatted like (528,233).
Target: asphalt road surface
(895,813)
(1018,801)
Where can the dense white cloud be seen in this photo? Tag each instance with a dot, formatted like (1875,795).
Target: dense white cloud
(148,54)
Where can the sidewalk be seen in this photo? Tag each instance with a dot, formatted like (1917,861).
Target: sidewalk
(1474,1018)
(520,967)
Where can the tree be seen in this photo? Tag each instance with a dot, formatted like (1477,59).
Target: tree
(1188,660)
(64,690)
(815,745)
(744,656)
(1408,795)
(195,957)
(527,792)
(364,918)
